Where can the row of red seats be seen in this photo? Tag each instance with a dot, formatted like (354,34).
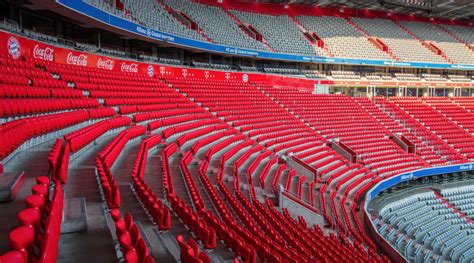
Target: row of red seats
(168,111)
(58,160)
(221,145)
(80,138)
(181,140)
(127,109)
(15,133)
(258,228)
(195,224)
(117,94)
(132,244)
(168,132)
(14,80)
(99,113)
(36,239)
(30,72)
(192,189)
(201,142)
(164,106)
(142,101)
(152,203)
(108,184)
(227,155)
(190,251)
(9,91)
(49,83)
(169,150)
(107,157)
(16,107)
(228,231)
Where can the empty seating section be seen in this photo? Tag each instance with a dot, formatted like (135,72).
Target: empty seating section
(403,46)
(339,117)
(273,127)
(222,148)
(156,16)
(466,103)
(428,226)
(408,121)
(448,129)
(286,38)
(463,33)
(423,147)
(225,32)
(452,48)
(449,108)
(341,38)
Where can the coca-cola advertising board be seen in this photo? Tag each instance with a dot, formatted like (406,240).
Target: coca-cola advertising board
(16,46)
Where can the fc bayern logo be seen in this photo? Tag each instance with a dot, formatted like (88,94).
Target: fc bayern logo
(150,70)
(14,47)
(245,78)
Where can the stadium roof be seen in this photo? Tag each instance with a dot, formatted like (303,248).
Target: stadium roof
(452,9)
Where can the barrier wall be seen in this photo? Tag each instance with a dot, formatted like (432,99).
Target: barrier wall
(120,23)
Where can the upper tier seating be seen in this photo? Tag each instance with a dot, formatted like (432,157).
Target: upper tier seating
(403,46)
(226,31)
(284,38)
(452,48)
(464,33)
(155,16)
(341,38)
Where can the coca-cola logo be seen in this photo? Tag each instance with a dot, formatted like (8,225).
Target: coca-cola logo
(80,60)
(105,63)
(46,53)
(133,68)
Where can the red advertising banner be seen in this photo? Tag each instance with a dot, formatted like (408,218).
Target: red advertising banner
(17,46)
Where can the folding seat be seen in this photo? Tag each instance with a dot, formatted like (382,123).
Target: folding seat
(142,250)
(22,239)
(131,256)
(41,190)
(12,257)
